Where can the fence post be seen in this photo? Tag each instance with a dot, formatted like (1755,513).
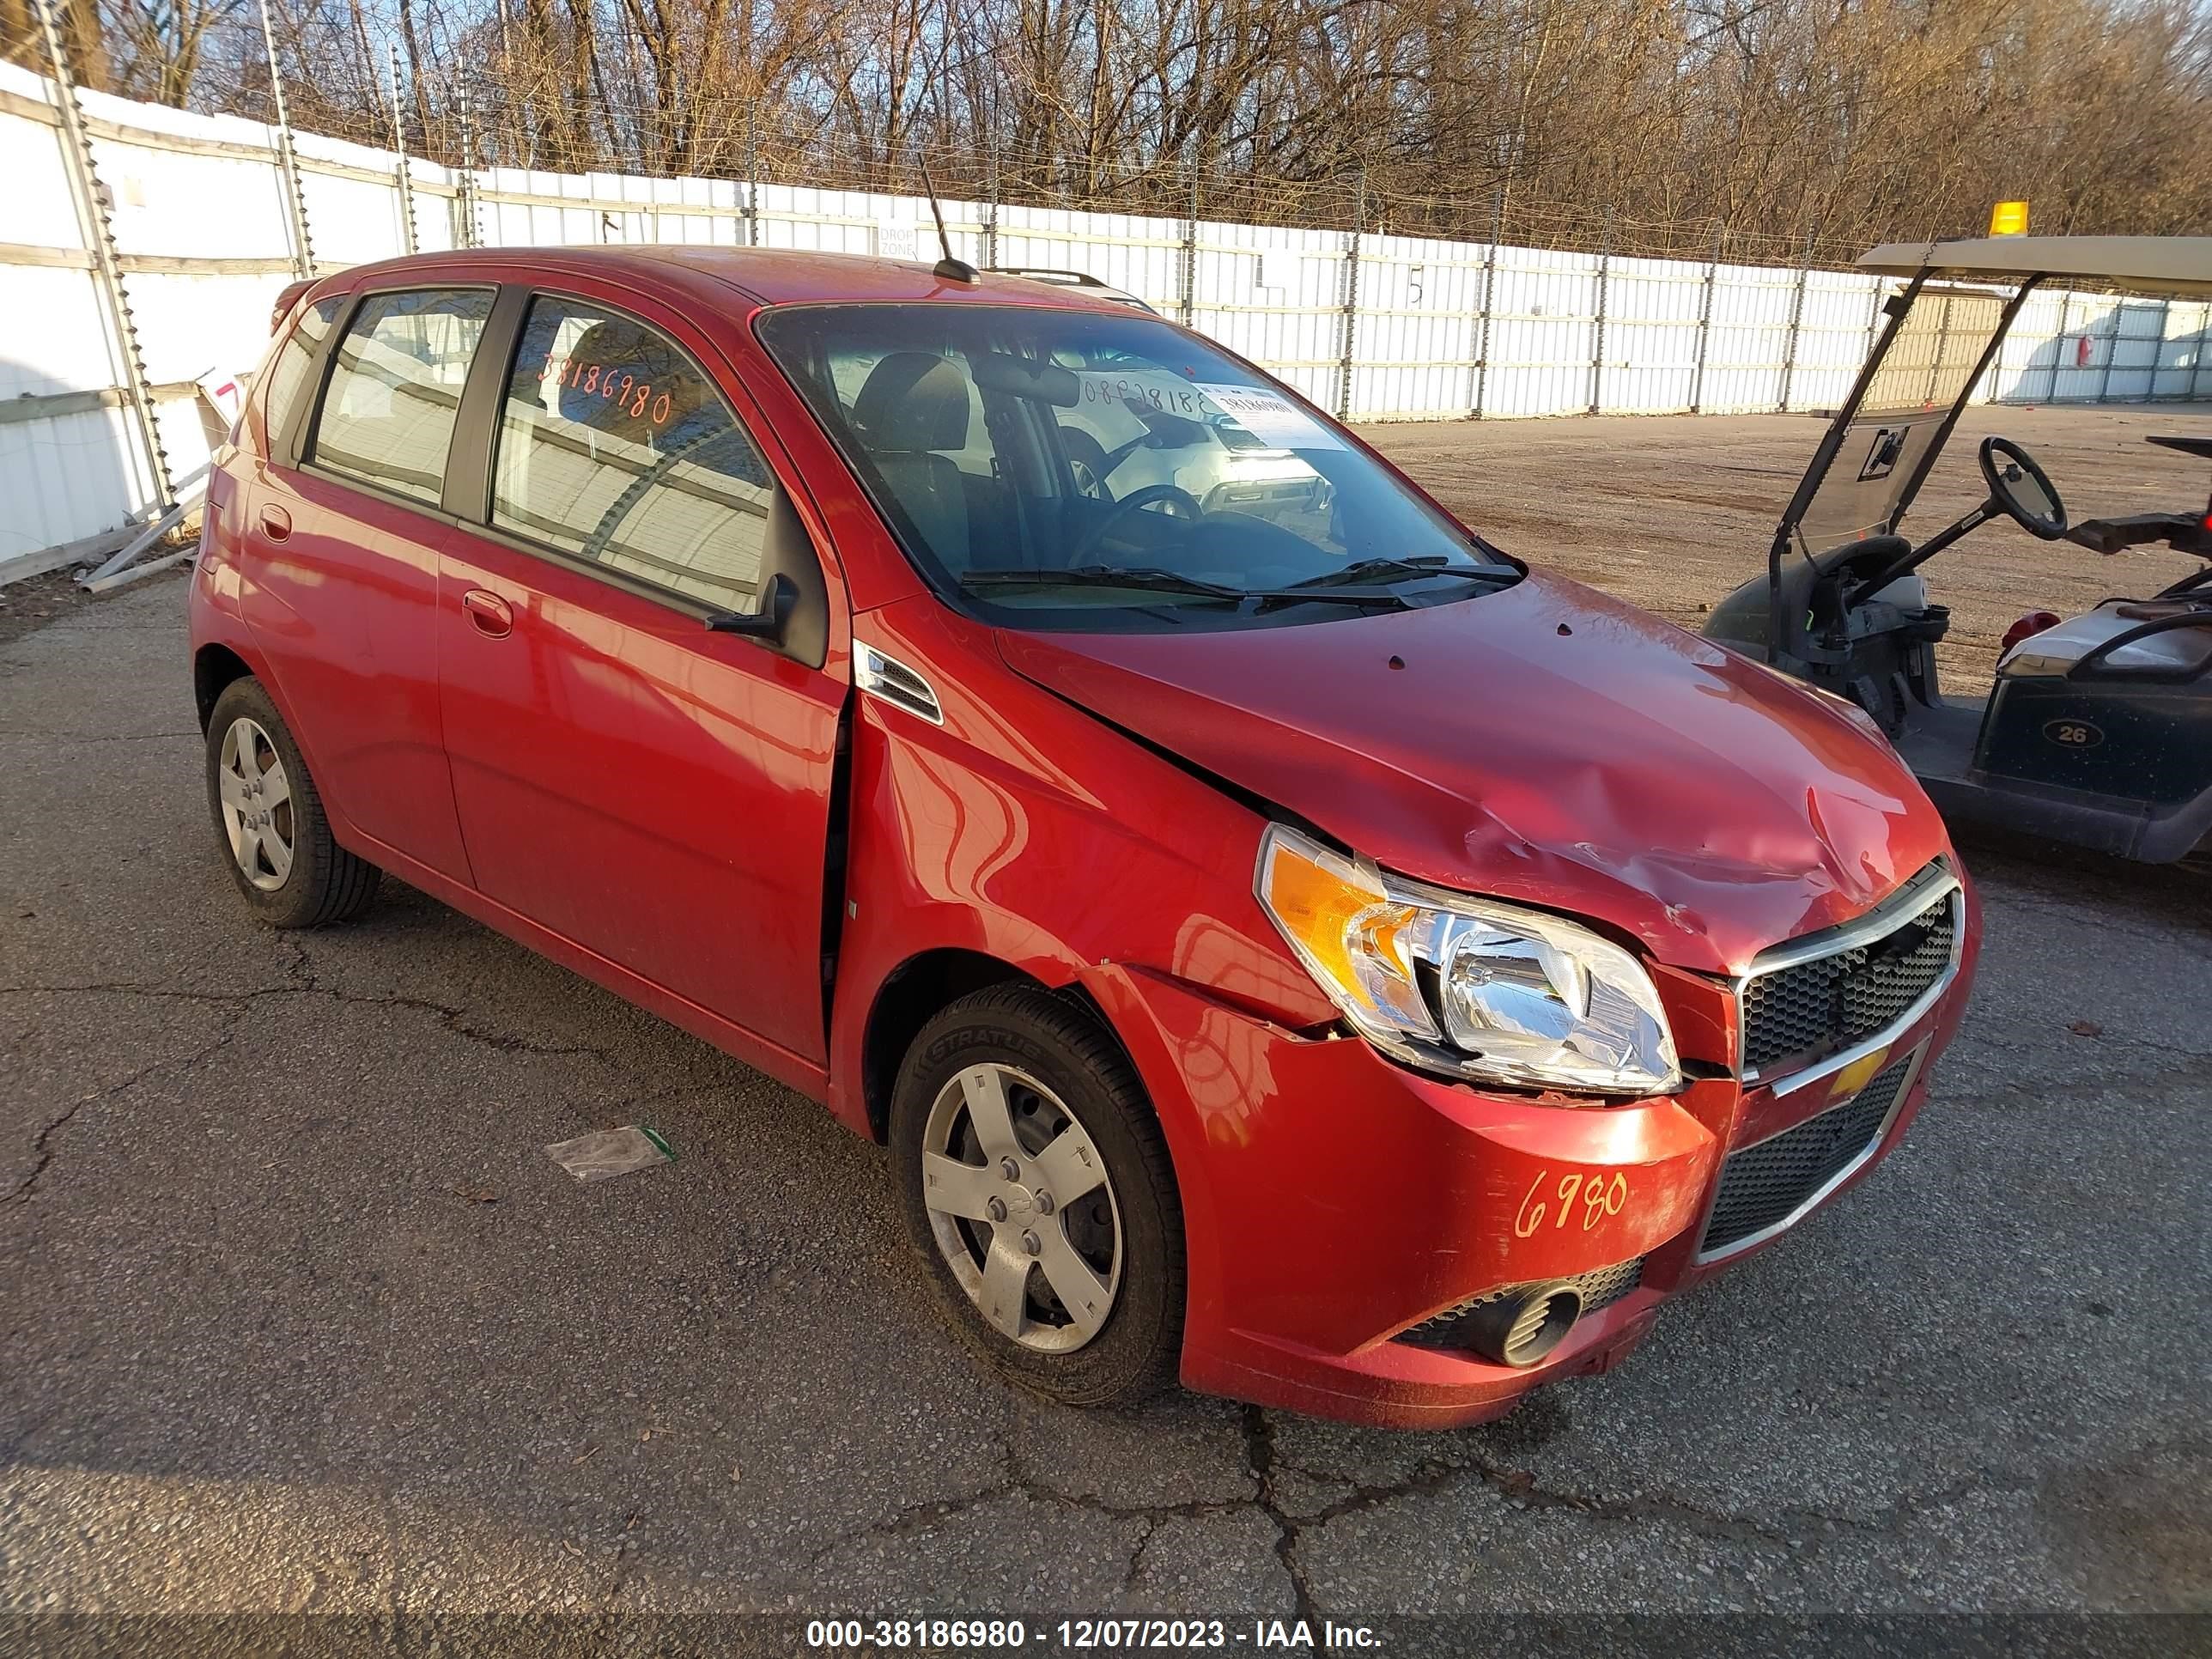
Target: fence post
(1705,326)
(1597,324)
(1797,324)
(1351,302)
(466,232)
(1190,247)
(2197,358)
(2112,351)
(1489,306)
(2058,342)
(107,265)
(2165,321)
(752,173)
(303,257)
(991,216)
(400,149)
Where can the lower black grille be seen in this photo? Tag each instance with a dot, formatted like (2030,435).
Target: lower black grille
(1600,1288)
(1762,1185)
(1810,1010)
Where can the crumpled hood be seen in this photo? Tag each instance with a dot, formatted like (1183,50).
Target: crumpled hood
(1544,744)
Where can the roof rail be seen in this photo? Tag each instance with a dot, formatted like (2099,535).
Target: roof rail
(1080,278)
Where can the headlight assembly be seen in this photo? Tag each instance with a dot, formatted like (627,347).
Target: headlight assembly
(1465,986)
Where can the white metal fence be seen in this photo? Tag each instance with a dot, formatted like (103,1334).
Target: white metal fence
(201,211)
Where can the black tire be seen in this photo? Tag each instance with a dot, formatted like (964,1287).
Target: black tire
(325,883)
(1056,1041)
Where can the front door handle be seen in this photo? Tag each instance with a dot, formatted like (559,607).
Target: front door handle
(489,613)
(275,522)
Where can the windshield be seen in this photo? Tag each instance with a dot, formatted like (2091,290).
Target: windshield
(1068,469)
(1927,368)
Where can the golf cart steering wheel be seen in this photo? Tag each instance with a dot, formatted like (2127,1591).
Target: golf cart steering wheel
(1135,501)
(2022,490)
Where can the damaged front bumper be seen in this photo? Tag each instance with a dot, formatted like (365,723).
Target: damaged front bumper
(1345,1217)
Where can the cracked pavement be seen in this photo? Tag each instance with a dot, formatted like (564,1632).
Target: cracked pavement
(299,1316)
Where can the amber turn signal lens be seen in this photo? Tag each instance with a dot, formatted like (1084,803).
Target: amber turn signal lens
(1353,936)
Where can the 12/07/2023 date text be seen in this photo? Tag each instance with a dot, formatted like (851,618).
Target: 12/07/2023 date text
(1084,1635)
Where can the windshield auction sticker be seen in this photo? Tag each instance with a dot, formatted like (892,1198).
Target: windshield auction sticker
(1270,417)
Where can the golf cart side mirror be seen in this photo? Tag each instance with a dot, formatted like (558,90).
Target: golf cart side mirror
(2021,490)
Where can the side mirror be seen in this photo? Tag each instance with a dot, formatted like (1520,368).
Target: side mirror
(779,598)
(793,617)
(2020,489)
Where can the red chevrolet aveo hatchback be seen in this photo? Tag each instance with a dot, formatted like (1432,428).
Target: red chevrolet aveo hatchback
(1283,941)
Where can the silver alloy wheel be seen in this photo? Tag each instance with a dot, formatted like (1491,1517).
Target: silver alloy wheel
(257,804)
(1022,1208)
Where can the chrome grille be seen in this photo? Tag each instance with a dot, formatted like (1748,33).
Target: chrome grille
(1600,1288)
(1817,1002)
(1763,1187)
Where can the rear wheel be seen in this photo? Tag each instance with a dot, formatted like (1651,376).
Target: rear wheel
(269,821)
(1038,1190)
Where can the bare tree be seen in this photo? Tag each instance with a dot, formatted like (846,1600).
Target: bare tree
(1777,122)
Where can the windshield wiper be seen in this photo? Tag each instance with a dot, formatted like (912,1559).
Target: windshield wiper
(1421,564)
(1150,578)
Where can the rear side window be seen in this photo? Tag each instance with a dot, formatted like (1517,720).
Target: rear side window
(288,375)
(615,447)
(395,391)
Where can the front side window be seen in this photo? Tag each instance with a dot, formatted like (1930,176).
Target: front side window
(615,447)
(395,392)
(1069,469)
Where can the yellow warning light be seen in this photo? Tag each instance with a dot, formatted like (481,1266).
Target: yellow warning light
(2008,219)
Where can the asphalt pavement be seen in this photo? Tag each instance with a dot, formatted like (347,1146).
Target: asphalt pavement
(299,1316)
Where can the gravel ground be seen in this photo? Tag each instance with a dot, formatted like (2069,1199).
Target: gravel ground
(1675,514)
(297,1317)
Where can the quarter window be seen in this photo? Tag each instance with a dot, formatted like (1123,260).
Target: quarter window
(396,389)
(615,447)
(288,375)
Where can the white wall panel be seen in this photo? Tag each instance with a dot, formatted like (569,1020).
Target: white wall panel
(1749,340)
(1138,254)
(190,205)
(193,325)
(40,209)
(1650,336)
(1542,333)
(65,479)
(351,221)
(1835,330)
(72,349)
(1415,332)
(2181,349)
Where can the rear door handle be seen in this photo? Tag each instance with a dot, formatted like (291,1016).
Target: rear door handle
(275,522)
(489,613)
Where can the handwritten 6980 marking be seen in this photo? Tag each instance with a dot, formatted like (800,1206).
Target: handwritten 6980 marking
(1601,1197)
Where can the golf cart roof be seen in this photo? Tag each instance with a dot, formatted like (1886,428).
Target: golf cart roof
(2173,267)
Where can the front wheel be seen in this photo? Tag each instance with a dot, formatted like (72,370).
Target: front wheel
(269,821)
(1039,1192)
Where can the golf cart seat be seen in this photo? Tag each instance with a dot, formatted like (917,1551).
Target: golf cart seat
(2178,652)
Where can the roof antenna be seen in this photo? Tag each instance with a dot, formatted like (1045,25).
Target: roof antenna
(950,269)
